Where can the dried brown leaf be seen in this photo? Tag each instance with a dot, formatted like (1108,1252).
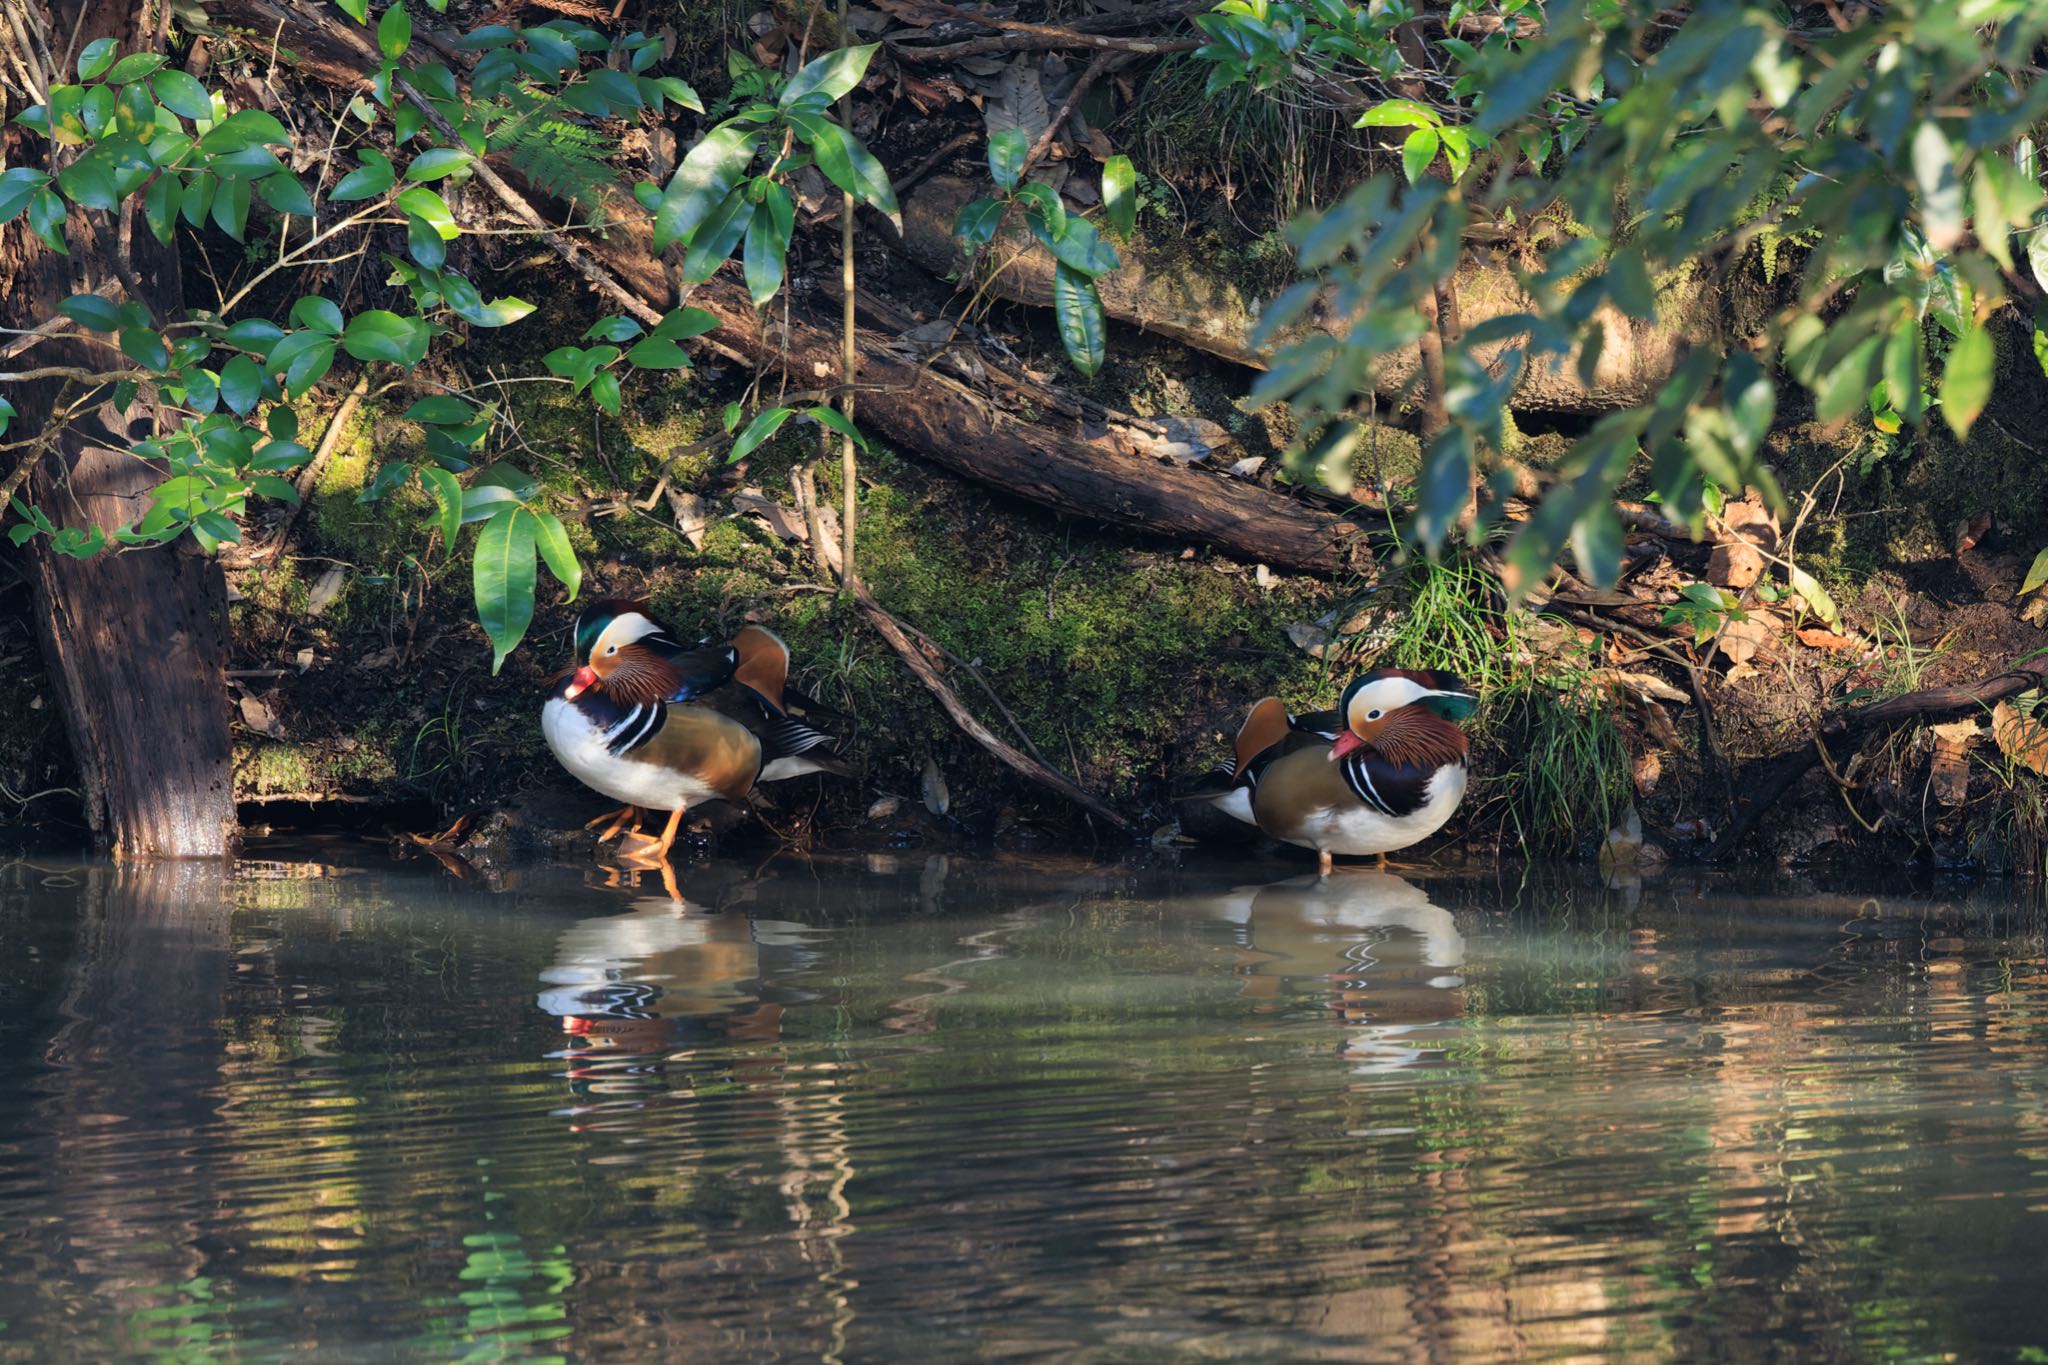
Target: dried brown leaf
(2020,737)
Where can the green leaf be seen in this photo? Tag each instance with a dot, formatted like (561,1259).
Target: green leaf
(1041,201)
(681,324)
(1078,246)
(254,334)
(448,493)
(1597,544)
(836,420)
(134,67)
(849,165)
(604,388)
(1816,597)
(285,194)
(271,486)
(46,220)
(244,128)
(1399,114)
(231,207)
(1941,194)
(764,425)
(202,389)
(308,368)
(831,75)
(1966,380)
(97,57)
(503,575)
(246,163)
(1120,195)
(553,541)
(766,250)
(241,384)
(145,347)
(18,186)
(394,32)
(616,328)
(1905,367)
(1007,149)
(182,93)
(1417,151)
(975,225)
(358,10)
(713,243)
(382,335)
(89,183)
(422,202)
(1078,309)
(708,174)
(2037,574)
(423,243)
(319,314)
(437,162)
(657,353)
(160,206)
(367,181)
(92,310)
(1629,287)
(680,93)
(497,313)
(441,410)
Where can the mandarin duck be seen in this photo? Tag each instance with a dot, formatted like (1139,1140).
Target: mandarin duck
(654,723)
(1383,771)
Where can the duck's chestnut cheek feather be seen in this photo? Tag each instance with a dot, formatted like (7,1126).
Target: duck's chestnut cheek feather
(1346,743)
(586,678)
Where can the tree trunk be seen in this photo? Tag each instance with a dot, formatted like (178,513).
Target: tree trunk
(136,639)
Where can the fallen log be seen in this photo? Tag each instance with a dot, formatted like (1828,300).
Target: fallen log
(1200,305)
(1929,704)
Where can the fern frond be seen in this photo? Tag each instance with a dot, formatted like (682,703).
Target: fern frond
(563,159)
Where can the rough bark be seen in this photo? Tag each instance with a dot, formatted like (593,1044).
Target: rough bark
(1202,306)
(135,641)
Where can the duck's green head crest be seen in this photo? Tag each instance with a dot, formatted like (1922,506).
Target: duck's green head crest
(595,616)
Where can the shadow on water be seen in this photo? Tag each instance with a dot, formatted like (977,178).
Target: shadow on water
(926,1107)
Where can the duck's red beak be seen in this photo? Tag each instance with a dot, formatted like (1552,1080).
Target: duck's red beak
(1346,743)
(585,679)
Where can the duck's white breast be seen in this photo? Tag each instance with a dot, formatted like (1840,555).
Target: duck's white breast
(585,751)
(1356,828)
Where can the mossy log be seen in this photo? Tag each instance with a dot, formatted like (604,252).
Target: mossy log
(1201,305)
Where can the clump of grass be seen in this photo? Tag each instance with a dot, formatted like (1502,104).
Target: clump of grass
(1902,665)
(1284,150)
(1551,763)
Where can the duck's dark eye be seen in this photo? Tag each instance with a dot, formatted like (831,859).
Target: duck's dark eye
(1372,715)
(612,649)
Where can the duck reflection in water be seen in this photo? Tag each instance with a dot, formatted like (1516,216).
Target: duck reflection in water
(640,995)
(1387,957)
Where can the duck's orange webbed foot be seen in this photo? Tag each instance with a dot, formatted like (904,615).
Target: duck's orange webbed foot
(618,823)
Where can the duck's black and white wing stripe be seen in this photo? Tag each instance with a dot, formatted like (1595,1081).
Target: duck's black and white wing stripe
(1392,789)
(641,724)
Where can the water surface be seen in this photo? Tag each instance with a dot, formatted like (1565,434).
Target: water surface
(946,1108)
